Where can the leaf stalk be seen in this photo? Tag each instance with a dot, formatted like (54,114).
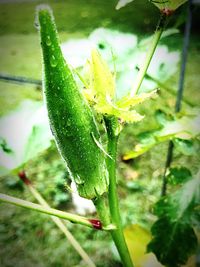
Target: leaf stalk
(53,212)
(143,69)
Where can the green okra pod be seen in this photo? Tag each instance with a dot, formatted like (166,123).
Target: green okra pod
(71,119)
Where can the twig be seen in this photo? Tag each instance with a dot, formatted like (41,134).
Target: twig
(149,55)
(92,223)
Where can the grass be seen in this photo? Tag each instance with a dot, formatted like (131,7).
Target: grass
(29,239)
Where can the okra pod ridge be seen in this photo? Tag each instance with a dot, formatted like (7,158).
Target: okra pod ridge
(71,119)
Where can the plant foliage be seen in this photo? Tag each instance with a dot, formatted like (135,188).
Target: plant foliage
(182,129)
(174,239)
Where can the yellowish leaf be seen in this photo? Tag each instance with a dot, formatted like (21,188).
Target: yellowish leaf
(125,115)
(102,81)
(137,239)
(128,101)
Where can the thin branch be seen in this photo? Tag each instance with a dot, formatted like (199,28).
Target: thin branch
(149,55)
(53,212)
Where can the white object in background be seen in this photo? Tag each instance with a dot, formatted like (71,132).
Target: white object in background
(82,205)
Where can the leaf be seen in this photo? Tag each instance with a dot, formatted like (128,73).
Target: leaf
(146,142)
(174,239)
(178,175)
(181,130)
(186,147)
(125,115)
(168,4)
(123,3)
(161,117)
(4,146)
(102,82)
(178,242)
(137,239)
(130,102)
(26,131)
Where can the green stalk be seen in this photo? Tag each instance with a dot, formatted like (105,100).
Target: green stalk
(143,69)
(60,224)
(103,211)
(117,235)
(53,212)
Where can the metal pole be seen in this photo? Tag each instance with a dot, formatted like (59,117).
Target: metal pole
(180,90)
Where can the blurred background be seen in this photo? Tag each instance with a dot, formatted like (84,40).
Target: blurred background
(31,239)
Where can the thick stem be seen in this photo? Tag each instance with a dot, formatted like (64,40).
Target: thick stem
(60,214)
(117,235)
(103,210)
(149,55)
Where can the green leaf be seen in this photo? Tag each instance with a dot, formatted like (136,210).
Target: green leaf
(130,102)
(146,142)
(26,131)
(174,239)
(123,3)
(125,115)
(186,147)
(4,146)
(173,243)
(38,140)
(168,4)
(161,117)
(178,175)
(182,130)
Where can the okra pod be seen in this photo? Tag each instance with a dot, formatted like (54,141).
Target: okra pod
(71,119)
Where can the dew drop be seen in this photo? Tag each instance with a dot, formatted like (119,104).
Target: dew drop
(78,180)
(53,62)
(48,41)
(68,123)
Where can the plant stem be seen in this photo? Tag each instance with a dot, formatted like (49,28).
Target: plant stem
(149,55)
(60,214)
(102,210)
(117,235)
(60,224)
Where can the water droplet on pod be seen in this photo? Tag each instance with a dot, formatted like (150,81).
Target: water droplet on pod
(78,180)
(53,61)
(48,41)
